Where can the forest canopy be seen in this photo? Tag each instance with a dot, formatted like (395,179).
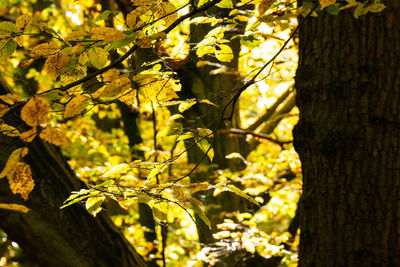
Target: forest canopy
(173,117)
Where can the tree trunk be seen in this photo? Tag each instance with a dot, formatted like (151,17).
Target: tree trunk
(348,93)
(51,236)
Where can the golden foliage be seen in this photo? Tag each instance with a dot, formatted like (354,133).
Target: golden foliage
(45,49)
(10,98)
(107,34)
(55,64)
(23,21)
(325,3)
(167,11)
(110,75)
(264,5)
(20,180)
(35,111)
(114,88)
(29,135)
(3,110)
(98,57)
(16,207)
(54,136)
(75,106)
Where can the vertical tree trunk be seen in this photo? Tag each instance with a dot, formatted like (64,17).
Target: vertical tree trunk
(348,93)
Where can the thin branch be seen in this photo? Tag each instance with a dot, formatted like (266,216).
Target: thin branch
(258,135)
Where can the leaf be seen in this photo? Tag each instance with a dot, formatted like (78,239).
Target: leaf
(107,34)
(185,106)
(325,3)
(7,47)
(55,64)
(160,211)
(20,180)
(128,97)
(225,4)
(12,161)
(93,204)
(200,212)
(98,57)
(29,135)
(45,49)
(7,27)
(114,88)
(110,75)
(54,136)
(242,194)
(35,111)
(15,207)
(3,110)
(185,136)
(172,128)
(131,19)
(333,9)
(167,8)
(121,168)
(11,98)
(76,197)
(224,53)
(9,130)
(83,58)
(156,171)
(23,21)
(203,144)
(264,6)
(76,106)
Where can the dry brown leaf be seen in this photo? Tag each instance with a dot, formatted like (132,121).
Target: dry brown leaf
(29,135)
(107,34)
(20,180)
(264,5)
(75,106)
(54,136)
(55,64)
(35,111)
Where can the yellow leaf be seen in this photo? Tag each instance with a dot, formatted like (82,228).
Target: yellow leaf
(16,207)
(83,58)
(45,49)
(107,34)
(325,3)
(55,64)
(145,42)
(3,110)
(10,98)
(224,53)
(35,111)
(73,74)
(155,88)
(12,161)
(23,22)
(54,136)
(114,88)
(128,97)
(110,75)
(98,57)
(29,135)
(9,130)
(75,106)
(20,180)
(167,11)
(131,19)
(77,35)
(264,6)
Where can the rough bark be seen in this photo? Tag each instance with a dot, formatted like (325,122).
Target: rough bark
(348,93)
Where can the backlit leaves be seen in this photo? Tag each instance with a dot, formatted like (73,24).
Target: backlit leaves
(55,64)
(107,34)
(7,27)
(54,136)
(325,3)
(29,135)
(45,49)
(15,207)
(98,57)
(35,111)
(20,180)
(7,47)
(23,21)
(264,6)
(76,106)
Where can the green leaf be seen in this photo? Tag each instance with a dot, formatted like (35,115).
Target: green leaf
(225,4)
(185,106)
(200,212)
(93,204)
(76,197)
(333,9)
(7,47)
(173,128)
(203,144)
(103,15)
(242,194)
(98,57)
(7,27)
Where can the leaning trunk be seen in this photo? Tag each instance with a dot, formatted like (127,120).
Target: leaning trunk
(348,93)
